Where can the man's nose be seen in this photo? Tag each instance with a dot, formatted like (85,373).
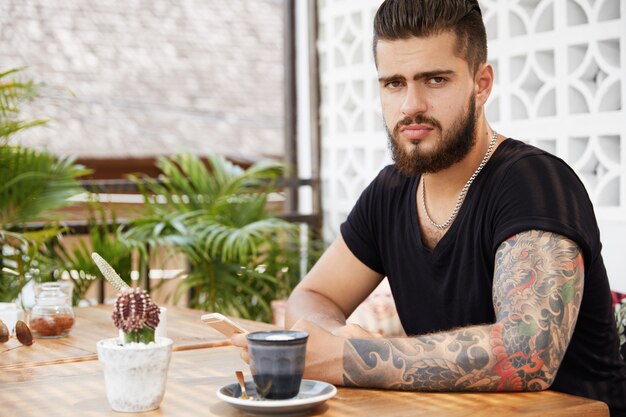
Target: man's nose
(414,102)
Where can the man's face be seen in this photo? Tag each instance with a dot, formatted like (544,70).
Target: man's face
(428,102)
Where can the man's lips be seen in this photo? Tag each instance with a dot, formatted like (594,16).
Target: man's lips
(416,131)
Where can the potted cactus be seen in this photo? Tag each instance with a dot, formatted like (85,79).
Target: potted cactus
(135,366)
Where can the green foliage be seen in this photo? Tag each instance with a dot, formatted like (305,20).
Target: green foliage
(289,260)
(77,262)
(13,92)
(217,216)
(33,183)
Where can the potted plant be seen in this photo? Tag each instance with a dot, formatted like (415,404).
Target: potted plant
(33,183)
(217,215)
(73,263)
(135,366)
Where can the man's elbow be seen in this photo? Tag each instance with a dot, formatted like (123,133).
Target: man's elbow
(538,374)
(527,368)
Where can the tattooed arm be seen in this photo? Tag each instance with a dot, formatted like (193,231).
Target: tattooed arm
(537,290)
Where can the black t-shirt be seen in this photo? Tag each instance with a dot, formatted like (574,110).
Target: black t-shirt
(519,189)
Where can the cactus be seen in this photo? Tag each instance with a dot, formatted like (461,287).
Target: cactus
(109,273)
(136,315)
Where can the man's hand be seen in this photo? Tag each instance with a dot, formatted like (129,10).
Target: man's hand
(240,341)
(324,353)
(324,350)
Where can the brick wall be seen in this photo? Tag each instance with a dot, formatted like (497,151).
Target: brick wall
(151,77)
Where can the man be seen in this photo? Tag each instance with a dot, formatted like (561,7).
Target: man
(491,246)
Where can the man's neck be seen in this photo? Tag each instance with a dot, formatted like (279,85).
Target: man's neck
(450,181)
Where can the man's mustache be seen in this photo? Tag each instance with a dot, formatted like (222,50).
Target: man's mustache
(420,119)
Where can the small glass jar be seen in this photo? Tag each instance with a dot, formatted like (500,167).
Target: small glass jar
(51,316)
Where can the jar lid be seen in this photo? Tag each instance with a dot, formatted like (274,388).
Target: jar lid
(51,295)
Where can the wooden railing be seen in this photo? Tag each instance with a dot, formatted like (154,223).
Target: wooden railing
(79,227)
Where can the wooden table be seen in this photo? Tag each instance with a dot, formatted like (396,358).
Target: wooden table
(62,377)
(77,389)
(94,323)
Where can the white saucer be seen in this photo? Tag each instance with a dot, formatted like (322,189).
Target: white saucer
(312,393)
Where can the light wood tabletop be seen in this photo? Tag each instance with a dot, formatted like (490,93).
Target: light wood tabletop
(94,323)
(77,389)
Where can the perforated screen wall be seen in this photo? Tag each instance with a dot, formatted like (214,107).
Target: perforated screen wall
(560,85)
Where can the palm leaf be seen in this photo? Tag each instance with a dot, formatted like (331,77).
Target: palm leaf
(13,92)
(216,214)
(34,183)
(77,261)
(238,244)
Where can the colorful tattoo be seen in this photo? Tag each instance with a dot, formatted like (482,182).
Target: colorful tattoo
(537,290)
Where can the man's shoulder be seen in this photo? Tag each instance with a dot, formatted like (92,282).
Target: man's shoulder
(389,185)
(515,156)
(513,150)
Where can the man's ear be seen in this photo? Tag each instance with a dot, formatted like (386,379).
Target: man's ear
(483,83)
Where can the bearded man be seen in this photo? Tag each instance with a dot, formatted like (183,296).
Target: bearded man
(490,245)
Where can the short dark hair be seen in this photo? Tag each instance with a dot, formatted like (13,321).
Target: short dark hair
(403,19)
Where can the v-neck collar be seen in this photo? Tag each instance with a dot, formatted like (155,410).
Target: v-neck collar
(434,253)
(447,240)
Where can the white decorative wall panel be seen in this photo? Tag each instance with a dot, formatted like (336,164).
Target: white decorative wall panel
(560,70)
(560,66)
(354,143)
(560,85)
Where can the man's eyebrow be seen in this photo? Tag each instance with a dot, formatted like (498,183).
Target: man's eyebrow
(418,76)
(430,74)
(395,77)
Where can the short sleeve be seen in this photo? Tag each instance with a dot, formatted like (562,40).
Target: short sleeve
(541,192)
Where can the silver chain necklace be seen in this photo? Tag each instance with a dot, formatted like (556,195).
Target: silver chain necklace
(461,198)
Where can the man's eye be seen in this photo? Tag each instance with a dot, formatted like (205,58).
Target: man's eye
(436,80)
(394,84)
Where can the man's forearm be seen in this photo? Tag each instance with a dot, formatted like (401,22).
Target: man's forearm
(312,306)
(538,286)
(469,359)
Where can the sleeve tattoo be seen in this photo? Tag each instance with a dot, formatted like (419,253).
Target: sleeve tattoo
(537,290)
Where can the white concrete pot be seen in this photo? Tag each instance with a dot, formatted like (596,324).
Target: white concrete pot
(135,374)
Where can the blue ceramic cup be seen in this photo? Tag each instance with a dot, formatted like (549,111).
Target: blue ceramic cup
(277,362)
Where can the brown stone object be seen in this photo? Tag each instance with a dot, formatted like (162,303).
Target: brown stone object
(4,332)
(23,334)
(51,325)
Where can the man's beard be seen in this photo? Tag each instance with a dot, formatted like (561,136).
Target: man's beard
(454,144)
